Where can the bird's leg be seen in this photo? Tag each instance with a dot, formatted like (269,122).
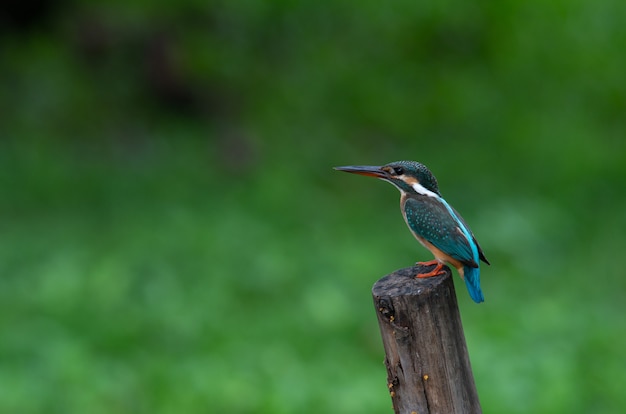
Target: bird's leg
(437,271)
(428,263)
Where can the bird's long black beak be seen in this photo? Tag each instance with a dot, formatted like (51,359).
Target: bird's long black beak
(369,170)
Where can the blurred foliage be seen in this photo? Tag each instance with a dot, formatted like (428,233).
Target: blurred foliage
(174,239)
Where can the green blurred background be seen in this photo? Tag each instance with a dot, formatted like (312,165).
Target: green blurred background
(174,240)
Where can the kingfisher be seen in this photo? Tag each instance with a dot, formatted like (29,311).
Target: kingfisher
(433,222)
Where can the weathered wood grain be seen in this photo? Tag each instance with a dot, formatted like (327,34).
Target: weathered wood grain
(428,367)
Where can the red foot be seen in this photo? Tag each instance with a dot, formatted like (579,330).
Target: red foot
(437,271)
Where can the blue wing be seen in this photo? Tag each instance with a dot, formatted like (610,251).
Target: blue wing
(432,219)
(481,255)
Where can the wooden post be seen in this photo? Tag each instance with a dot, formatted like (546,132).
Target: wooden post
(428,367)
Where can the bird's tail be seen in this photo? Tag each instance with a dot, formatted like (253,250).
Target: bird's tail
(472,281)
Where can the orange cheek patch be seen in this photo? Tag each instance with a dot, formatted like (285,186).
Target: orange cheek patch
(410,180)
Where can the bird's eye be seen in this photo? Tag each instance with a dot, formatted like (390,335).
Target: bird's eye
(398,170)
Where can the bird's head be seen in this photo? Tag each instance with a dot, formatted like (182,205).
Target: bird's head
(408,176)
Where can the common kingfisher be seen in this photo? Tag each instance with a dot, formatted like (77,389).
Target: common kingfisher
(433,222)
